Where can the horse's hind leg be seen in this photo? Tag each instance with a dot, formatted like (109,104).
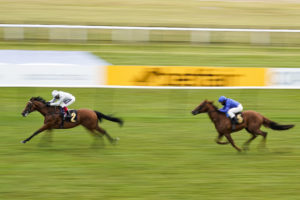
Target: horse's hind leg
(98,139)
(94,133)
(246,144)
(101,130)
(264,134)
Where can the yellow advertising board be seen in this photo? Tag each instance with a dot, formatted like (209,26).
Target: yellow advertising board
(185,76)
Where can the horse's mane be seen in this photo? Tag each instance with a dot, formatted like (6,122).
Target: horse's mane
(40,99)
(216,108)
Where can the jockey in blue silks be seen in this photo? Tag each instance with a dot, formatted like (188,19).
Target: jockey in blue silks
(231,107)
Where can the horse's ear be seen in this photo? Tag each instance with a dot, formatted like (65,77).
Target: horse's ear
(211,102)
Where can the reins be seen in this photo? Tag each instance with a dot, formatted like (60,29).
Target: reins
(212,111)
(42,107)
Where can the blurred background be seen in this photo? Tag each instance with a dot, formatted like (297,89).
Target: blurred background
(164,152)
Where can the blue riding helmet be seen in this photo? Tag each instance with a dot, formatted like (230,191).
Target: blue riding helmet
(222,98)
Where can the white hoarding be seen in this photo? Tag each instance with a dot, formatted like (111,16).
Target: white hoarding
(284,77)
(49,74)
(41,68)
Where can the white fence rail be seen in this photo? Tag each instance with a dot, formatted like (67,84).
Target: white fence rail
(147,34)
(146,28)
(153,87)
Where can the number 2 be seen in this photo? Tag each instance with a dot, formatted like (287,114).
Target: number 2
(73,117)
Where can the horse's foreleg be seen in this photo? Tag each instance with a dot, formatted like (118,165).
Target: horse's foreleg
(246,144)
(231,141)
(44,127)
(46,140)
(218,139)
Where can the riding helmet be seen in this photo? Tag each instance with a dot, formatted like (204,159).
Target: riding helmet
(222,98)
(54,93)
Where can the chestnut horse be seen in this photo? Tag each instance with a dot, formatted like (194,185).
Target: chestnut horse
(53,119)
(252,123)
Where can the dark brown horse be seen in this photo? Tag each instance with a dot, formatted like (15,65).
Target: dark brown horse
(252,123)
(53,119)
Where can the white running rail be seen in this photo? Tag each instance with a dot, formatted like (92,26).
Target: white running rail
(147,28)
(151,87)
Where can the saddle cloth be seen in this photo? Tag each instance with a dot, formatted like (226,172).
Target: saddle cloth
(239,118)
(72,117)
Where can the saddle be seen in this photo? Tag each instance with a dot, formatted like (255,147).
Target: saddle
(239,117)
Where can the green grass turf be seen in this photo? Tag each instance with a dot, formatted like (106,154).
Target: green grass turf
(164,152)
(177,54)
(189,13)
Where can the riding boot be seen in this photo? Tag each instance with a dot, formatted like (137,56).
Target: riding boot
(67,113)
(62,113)
(233,123)
(64,116)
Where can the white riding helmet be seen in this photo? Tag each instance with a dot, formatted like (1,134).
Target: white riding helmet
(54,93)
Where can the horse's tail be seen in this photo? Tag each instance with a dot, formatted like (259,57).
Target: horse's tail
(107,117)
(275,126)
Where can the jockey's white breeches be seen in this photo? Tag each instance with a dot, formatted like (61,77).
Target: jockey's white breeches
(231,112)
(67,102)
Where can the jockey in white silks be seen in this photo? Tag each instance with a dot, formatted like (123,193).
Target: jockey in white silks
(62,99)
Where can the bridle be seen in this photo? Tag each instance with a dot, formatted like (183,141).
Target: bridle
(29,106)
(200,107)
(212,111)
(31,103)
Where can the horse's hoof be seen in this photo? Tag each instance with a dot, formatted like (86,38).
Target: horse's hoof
(246,148)
(23,142)
(115,141)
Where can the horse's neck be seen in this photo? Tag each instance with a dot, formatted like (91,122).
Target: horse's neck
(41,110)
(214,115)
(53,109)
(44,110)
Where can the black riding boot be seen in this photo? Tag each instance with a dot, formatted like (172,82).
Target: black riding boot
(62,113)
(233,123)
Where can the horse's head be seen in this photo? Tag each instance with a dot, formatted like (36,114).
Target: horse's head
(30,107)
(33,104)
(202,108)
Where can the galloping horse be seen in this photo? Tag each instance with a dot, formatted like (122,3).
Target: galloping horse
(252,123)
(53,119)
